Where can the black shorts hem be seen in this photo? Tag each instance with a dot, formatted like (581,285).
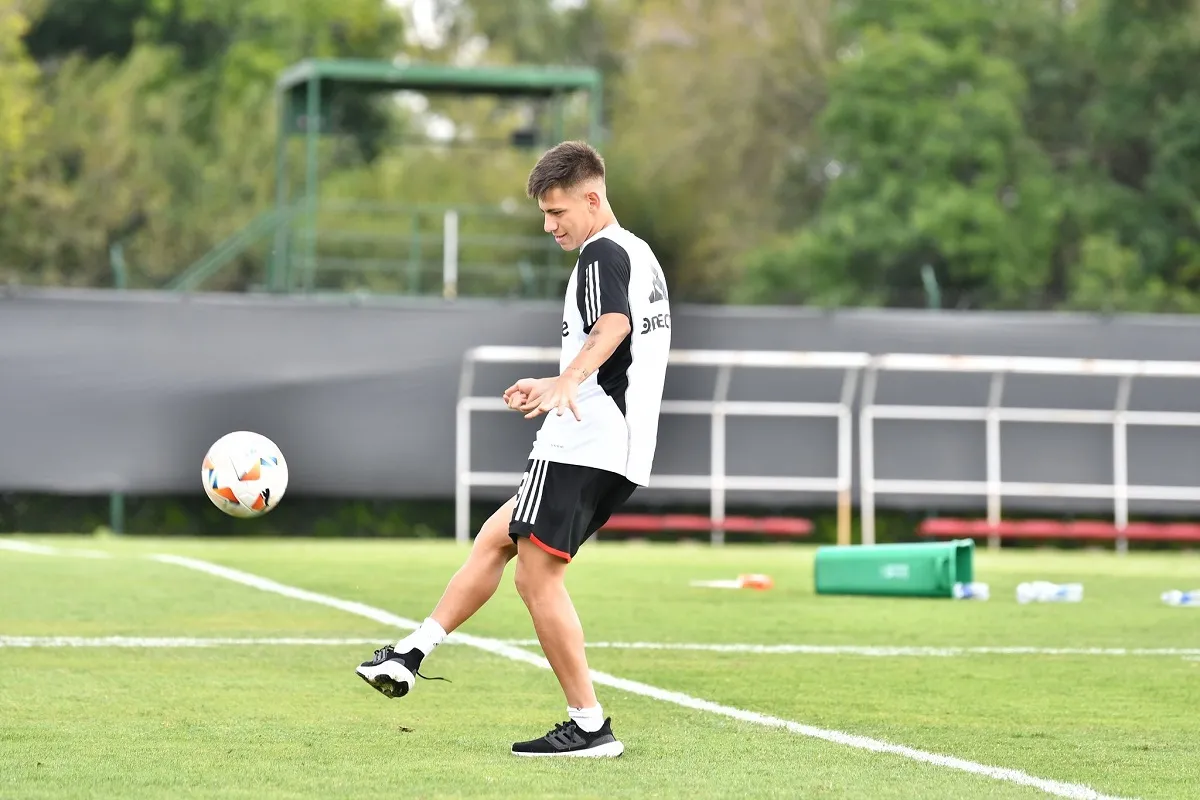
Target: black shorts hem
(559,506)
(519,530)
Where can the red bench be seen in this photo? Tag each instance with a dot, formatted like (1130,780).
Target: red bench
(1083,530)
(783,527)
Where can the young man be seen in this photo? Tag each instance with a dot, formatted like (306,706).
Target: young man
(595,446)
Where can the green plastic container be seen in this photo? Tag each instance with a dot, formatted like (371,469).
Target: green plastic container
(927,569)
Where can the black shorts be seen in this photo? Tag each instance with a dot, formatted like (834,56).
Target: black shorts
(560,505)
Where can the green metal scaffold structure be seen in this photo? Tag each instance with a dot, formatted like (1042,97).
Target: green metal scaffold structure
(302,96)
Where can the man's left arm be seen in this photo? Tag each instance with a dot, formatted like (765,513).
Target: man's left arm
(603,299)
(609,330)
(607,334)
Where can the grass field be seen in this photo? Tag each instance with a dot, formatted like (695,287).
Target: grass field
(201,718)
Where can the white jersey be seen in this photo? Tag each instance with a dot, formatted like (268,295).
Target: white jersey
(619,403)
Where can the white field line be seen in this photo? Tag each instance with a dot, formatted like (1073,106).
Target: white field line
(175,641)
(30,548)
(756,649)
(496,647)
(877,651)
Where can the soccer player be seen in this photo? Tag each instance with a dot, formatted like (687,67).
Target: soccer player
(595,446)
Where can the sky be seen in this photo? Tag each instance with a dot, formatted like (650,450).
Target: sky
(423,29)
(421,18)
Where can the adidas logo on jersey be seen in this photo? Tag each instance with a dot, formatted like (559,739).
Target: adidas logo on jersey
(659,292)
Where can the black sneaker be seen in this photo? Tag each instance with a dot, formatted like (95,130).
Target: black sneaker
(567,739)
(390,672)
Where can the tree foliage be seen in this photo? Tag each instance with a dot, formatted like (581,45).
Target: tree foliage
(926,165)
(20,105)
(158,126)
(1024,154)
(1017,153)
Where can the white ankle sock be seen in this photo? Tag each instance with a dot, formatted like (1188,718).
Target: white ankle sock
(589,720)
(424,638)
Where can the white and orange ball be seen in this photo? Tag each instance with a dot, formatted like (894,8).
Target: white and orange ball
(244,474)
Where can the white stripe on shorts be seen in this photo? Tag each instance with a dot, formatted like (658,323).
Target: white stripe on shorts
(529,495)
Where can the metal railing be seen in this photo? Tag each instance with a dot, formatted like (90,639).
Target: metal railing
(425,249)
(718,409)
(994,487)
(262,227)
(428,249)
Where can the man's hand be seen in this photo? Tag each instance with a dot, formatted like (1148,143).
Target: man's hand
(526,391)
(536,397)
(561,395)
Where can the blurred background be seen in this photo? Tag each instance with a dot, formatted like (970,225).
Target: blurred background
(300,217)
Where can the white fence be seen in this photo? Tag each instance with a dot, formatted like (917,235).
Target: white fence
(993,489)
(718,409)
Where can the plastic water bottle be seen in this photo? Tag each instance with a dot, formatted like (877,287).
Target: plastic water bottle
(755,581)
(1178,598)
(1046,592)
(971,591)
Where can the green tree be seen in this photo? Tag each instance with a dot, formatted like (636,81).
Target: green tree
(1143,129)
(1030,153)
(22,116)
(161,131)
(20,106)
(108,151)
(713,112)
(925,164)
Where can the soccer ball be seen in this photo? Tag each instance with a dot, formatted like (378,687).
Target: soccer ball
(244,474)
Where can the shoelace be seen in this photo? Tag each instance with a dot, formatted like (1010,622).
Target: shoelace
(417,672)
(386,652)
(560,731)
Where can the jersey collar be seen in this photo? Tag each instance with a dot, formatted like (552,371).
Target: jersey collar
(614,225)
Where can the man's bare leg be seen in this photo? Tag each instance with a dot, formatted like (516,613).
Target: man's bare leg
(540,584)
(393,669)
(477,580)
(539,581)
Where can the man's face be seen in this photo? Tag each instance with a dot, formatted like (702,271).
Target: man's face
(569,215)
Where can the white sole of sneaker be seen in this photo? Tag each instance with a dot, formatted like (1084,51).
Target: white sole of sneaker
(391,678)
(610,750)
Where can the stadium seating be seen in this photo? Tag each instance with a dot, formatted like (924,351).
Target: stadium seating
(783,527)
(1079,530)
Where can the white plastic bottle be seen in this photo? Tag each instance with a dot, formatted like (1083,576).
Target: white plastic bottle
(970,591)
(1046,592)
(1178,598)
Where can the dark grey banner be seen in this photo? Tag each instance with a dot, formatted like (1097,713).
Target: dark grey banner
(103,391)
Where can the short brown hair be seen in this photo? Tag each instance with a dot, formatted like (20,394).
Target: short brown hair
(565,166)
